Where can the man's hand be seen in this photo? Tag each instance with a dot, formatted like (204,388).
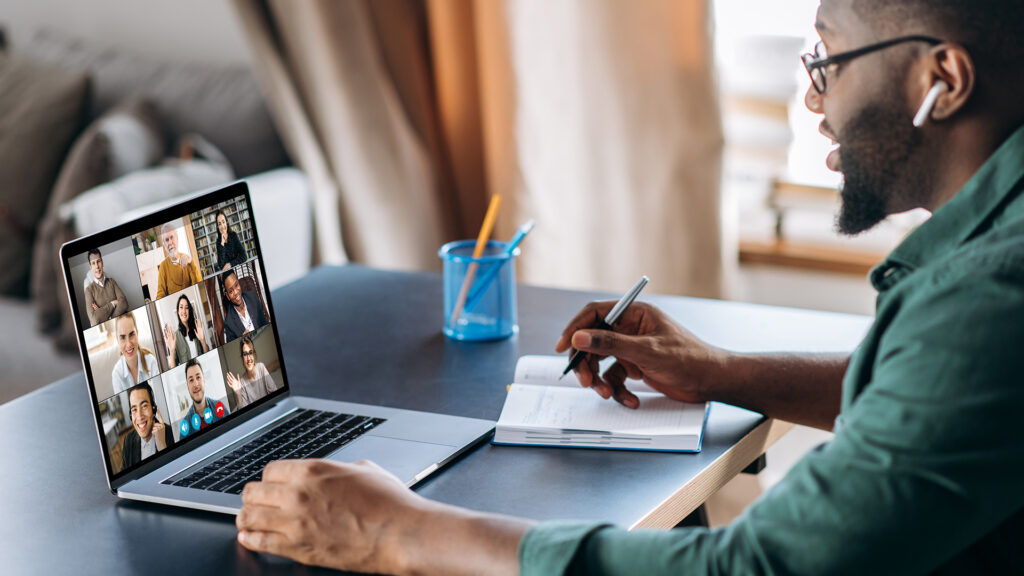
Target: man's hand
(94,306)
(184,258)
(344,516)
(647,345)
(159,430)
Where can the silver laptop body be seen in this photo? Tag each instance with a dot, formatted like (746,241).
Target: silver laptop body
(409,444)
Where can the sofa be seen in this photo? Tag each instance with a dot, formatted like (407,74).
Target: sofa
(97,124)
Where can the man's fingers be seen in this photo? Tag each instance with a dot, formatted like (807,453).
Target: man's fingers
(270,494)
(263,518)
(589,316)
(615,377)
(632,370)
(592,368)
(607,343)
(269,542)
(281,471)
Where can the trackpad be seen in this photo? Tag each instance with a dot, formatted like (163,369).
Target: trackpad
(403,458)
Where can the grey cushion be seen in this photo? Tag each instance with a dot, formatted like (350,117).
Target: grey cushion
(41,110)
(113,202)
(125,139)
(223,103)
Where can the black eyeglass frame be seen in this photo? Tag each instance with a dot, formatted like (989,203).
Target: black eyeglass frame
(813,63)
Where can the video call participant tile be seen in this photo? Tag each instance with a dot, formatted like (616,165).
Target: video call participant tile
(184,328)
(197,394)
(252,369)
(135,424)
(239,301)
(107,281)
(121,352)
(166,257)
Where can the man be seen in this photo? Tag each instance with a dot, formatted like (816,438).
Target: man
(178,270)
(923,474)
(149,435)
(203,410)
(243,311)
(103,297)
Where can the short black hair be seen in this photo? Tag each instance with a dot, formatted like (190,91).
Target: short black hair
(95,251)
(192,362)
(228,272)
(224,287)
(144,386)
(991,30)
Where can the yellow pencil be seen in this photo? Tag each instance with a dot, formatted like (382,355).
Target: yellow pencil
(478,251)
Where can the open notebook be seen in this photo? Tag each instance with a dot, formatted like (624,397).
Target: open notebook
(542,410)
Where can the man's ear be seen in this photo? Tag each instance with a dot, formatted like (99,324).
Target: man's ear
(952,64)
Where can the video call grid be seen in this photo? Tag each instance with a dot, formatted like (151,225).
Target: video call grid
(209,285)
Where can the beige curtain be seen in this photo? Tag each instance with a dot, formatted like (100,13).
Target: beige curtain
(597,118)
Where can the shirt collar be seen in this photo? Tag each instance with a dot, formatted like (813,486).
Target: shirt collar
(122,366)
(958,220)
(99,281)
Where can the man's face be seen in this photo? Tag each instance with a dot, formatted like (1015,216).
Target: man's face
(142,412)
(96,265)
(233,290)
(171,243)
(867,113)
(194,376)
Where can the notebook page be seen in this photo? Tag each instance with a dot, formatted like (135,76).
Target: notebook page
(545,370)
(557,407)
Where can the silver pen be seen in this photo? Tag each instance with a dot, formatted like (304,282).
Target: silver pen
(609,320)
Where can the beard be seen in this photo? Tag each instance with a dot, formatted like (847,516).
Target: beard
(877,149)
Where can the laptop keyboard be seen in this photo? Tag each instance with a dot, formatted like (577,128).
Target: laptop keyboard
(309,434)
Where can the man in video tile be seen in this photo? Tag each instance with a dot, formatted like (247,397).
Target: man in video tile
(208,409)
(149,435)
(243,311)
(103,297)
(178,270)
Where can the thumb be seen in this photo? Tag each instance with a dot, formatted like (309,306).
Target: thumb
(607,343)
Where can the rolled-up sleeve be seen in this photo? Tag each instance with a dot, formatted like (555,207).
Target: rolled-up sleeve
(927,463)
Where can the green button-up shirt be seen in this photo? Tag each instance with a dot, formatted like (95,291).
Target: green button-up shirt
(926,470)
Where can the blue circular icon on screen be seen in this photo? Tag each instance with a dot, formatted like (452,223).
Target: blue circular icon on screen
(208,415)
(184,428)
(195,422)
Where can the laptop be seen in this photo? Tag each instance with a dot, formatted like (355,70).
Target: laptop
(186,379)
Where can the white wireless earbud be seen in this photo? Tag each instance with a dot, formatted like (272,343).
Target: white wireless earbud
(929,103)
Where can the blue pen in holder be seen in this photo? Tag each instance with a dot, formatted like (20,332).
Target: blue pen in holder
(489,307)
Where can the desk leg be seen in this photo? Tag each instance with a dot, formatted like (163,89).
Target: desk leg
(698,517)
(757,465)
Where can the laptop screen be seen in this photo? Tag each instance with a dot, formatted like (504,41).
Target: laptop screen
(175,325)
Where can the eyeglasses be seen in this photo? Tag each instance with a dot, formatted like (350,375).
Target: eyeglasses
(820,65)
(248,353)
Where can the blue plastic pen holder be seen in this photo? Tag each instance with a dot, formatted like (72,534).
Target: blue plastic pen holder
(487,303)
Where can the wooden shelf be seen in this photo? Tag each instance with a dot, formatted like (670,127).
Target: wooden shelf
(809,256)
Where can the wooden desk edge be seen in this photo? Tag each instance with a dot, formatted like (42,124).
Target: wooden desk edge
(688,497)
